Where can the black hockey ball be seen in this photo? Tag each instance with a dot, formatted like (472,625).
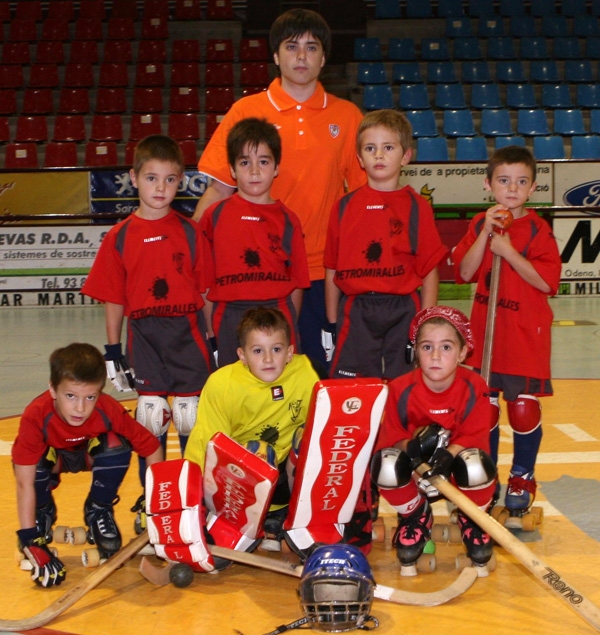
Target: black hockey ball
(181,575)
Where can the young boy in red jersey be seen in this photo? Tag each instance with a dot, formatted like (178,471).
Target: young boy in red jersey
(72,427)
(150,269)
(529,273)
(255,244)
(439,414)
(382,247)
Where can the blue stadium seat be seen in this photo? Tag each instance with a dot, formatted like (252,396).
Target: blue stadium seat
(532,122)
(471,149)
(496,122)
(406,73)
(367,49)
(568,121)
(441,72)
(475,72)
(585,147)
(543,71)
(490,26)
(485,96)
(434,49)
(458,123)
(548,147)
(588,95)
(578,71)
(459,27)
(513,140)
(554,26)
(377,96)
(512,8)
(501,48)
(387,9)
(401,49)
(432,149)
(556,96)
(592,47)
(585,26)
(449,96)
(467,48)
(520,96)
(414,97)
(595,120)
(566,48)
(450,8)
(479,8)
(542,7)
(423,123)
(523,27)
(371,73)
(571,8)
(510,71)
(533,48)
(419,9)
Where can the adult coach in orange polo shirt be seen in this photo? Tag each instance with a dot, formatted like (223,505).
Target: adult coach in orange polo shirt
(318,133)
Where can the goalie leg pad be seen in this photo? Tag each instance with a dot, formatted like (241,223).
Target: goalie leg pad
(391,468)
(524,414)
(183,413)
(153,413)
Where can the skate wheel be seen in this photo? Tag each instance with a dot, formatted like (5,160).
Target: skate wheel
(426,563)
(538,512)
(90,558)
(529,522)
(378,530)
(63,534)
(453,516)
(54,551)
(78,536)
(440,533)
(408,570)
(496,511)
(462,561)
(454,535)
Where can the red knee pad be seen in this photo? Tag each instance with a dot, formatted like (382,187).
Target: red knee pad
(524,413)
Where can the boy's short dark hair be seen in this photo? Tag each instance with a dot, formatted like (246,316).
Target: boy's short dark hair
(262,318)
(78,362)
(252,131)
(296,22)
(392,120)
(159,147)
(510,155)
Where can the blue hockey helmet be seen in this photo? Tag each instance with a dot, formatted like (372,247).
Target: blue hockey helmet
(336,589)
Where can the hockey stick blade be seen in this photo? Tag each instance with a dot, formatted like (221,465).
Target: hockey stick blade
(549,578)
(79,590)
(160,577)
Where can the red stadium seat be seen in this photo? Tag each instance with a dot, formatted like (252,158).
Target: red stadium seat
(50,52)
(84,51)
(188,10)
(147,99)
(185,74)
(154,51)
(56,29)
(93,9)
(8,102)
(254,49)
(124,9)
(61,155)
(20,156)
(143,125)
(219,10)
(149,74)
(110,100)
(190,152)
(4,130)
(29,10)
(101,154)
(186,51)
(154,29)
(156,9)
(88,28)
(254,74)
(211,122)
(219,50)
(44,76)
(183,126)
(22,31)
(219,74)
(69,128)
(121,28)
(16,53)
(11,76)
(78,75)
(107,128)
(114,75)
(117,51)
(218,99)
(31,128)
(184,99)
(61,9)
(74,101)
(37,101)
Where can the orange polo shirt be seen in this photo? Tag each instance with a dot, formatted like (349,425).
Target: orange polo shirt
(318,138)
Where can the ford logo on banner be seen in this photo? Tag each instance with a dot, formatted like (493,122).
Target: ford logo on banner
(584,194)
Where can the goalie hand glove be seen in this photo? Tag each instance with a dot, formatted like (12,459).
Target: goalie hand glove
(328,340)
(441,464)
(426,441)
(47,569)
(117,368)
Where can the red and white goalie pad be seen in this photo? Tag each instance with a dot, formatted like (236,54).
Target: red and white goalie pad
(341,428)
(175,514)
(238,486)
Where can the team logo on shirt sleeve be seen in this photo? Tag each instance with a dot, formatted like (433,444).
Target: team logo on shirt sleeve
(334,130)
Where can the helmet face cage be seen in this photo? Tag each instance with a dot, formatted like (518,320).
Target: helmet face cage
(336,590)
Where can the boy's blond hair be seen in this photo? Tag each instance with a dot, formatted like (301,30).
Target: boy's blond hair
(509,155)
(159,147)
(265,319)
(393,120)
(79,362)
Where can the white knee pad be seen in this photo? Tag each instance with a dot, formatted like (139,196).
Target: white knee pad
(473,469)
(153,413)
(390,468)
(184,413)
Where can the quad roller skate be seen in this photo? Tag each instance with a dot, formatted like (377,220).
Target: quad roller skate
(102,531)
(139,509)
(479,546)
(518,512)
(413,543)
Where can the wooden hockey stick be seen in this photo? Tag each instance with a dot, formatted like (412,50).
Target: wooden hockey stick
(465,580)
(550,578)
(79,590)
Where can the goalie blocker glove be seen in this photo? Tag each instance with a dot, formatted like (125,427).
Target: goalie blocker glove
(117,368)
(47,569)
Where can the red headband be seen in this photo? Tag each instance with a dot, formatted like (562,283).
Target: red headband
(457,318)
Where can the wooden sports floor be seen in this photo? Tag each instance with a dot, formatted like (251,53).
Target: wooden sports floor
(248,601)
